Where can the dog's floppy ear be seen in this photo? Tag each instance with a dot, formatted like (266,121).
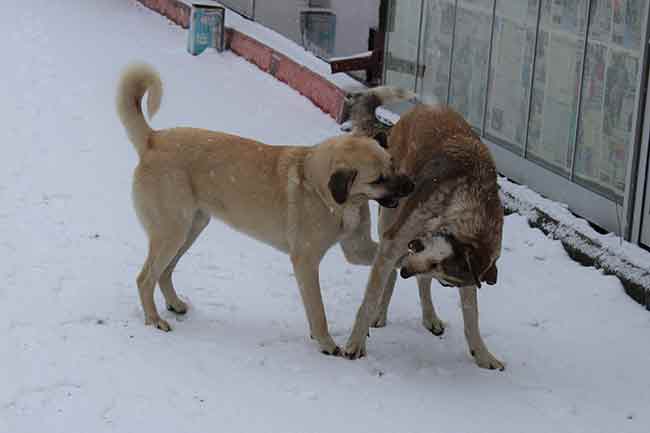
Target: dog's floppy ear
(382,139)
(340,184)
(491,274)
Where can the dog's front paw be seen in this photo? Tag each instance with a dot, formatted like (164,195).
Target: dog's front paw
(327,346)
(434,325)
(158,323)
(485,359)
(355,350)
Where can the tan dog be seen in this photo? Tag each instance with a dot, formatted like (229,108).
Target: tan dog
(300,200)
(450,228)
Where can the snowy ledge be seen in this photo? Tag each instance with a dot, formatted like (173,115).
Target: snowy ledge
(283,45)
(583,244)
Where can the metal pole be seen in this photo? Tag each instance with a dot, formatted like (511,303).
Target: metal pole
(451,51)
(417,58)
(579,110)
(489,64)
(538,29)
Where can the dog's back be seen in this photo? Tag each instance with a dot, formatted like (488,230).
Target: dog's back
(455,178)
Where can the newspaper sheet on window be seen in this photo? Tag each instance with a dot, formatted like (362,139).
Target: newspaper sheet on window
(470,60)
(610,92)
(510,72)
(435,51)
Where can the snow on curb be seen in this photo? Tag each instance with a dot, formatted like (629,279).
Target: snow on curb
(278,56)
(583,244)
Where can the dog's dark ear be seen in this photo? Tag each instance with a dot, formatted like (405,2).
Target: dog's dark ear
(491,274)
(340,184)
(382,139)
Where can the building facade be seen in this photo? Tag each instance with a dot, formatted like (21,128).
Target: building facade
(339,27)
(555,87)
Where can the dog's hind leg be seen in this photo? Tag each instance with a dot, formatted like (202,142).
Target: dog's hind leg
(165,206)
(477,348)
(174,303)
(162,250)
(430,319)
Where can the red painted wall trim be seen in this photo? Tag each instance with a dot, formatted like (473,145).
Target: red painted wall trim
(324,94)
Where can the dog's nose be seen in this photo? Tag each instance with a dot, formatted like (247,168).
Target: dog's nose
(404,185)
(405,273)
(416,246)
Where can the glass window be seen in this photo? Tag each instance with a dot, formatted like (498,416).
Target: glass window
(609,94)
(403,38)
(560,45)
(513,43)
(435,50)
(470,59)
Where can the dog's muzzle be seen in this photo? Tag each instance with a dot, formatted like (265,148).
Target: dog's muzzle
(399,186)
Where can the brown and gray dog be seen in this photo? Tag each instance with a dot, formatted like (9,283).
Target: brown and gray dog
(300,200)
(449,229)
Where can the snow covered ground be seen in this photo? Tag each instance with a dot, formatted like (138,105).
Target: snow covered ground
(76,357)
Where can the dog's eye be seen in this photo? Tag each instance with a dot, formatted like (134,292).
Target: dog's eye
(380,179)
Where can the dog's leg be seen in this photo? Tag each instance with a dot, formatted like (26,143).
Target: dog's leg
(382,266)
(306,272)
(161,253)
(382,310)
(477,348)
(174,303)
(430,319)
(358,247)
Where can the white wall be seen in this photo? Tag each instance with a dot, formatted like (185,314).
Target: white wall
(353,21)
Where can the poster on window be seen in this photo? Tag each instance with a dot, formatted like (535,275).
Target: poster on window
(628,19)
(600,26)
(620,101)
(470,61)
(590,152)
(554,108)
(521,11)
(565,15)
(482,5)
(510,77)
(435,51)
(402,44)
(609,95)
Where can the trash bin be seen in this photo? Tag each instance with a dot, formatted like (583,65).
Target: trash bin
(207,28)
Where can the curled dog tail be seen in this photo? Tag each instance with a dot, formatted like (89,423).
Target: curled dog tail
(363,105)
(136,81)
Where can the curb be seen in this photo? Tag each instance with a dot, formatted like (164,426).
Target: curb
(584,248)
(321,92)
